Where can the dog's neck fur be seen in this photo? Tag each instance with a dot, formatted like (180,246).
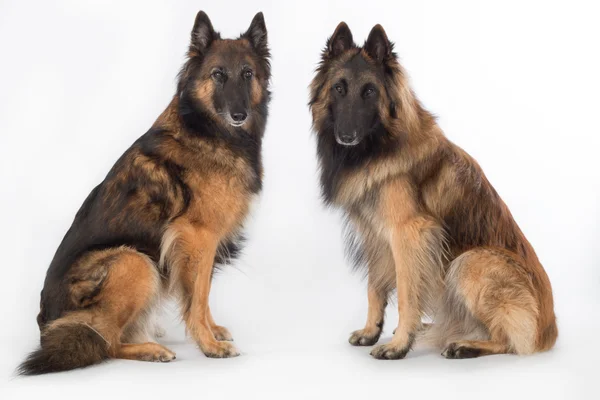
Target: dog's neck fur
(196,130)
(346,183)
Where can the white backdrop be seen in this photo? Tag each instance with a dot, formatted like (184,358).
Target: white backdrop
(515,83)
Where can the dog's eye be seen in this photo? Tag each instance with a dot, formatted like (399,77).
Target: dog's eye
(218,75)
(369,92)
(248,74)
(338,88)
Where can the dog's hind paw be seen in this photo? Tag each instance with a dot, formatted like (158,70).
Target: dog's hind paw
(455,351)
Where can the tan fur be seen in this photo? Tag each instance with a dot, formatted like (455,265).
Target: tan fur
(191,268)
(204,92)
(145,352)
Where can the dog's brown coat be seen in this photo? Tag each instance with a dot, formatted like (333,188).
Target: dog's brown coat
(431,226)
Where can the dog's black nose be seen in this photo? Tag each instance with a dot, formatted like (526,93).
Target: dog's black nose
(347,138)
(239,117)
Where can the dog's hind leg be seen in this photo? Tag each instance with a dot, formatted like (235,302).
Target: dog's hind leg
(109,289)
(145,352)
(131,290)
(497,291)
(473,348)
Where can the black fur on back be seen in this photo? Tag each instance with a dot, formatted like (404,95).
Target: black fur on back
(104,220)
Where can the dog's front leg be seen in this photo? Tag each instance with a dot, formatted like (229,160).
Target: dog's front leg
(369,335)
(195,271)
(416,245)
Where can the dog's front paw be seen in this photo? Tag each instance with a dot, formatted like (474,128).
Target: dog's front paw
(390,351)
(364,337)
(221,333)
(220,350)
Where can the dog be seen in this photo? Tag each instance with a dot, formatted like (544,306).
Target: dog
(170,210)
(422,216)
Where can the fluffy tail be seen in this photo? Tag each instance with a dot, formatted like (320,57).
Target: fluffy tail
(65,347)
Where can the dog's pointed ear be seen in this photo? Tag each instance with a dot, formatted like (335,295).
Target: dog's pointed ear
(257,33)
(203,33)
(378,45)
(340,41)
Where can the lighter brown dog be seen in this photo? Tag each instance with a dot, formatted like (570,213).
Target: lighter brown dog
(423,218)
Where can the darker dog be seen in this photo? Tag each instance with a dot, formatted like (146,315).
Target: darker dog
(424,218)
(171,207)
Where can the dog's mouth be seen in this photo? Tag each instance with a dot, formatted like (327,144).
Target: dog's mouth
(236,124)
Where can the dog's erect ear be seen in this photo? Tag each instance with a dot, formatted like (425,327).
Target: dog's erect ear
(257,33)
(340,41)
(203,33)
(377,45)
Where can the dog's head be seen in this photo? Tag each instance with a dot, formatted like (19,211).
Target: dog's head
(361,92)
(227,79)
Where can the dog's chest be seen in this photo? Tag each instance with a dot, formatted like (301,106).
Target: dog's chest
(220,200)
(367,213)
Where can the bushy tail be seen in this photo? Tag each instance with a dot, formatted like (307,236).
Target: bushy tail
(65,347)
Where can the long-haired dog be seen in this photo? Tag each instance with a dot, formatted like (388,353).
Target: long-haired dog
(423,217)
(170,209)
